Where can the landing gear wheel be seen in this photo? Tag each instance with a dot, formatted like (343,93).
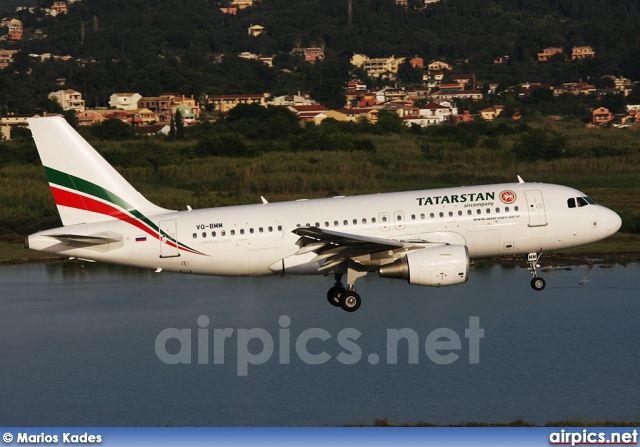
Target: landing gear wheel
(350,301)
(538,283)
(333,295)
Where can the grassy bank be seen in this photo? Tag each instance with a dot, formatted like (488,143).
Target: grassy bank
(604,163)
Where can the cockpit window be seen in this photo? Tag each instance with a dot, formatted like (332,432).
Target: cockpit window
(571,202)
(582,202)
(590,201)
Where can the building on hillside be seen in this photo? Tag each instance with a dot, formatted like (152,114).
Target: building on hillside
(224,103)
(582,52)
(230,11)
(59,8)
(356,85)
(601,116)
(15,30)
(549,52)
(416,62)
(442,112)
(353,115)
(491,113)
(292,100)
(6,58)
(125,101)
(313,113)
(241,4)
(383,67)
(439,66)
(160,105)
(467,81)
(256,30)
(311,55)
(69,100)
(358,60)
(188,115)
(89,118)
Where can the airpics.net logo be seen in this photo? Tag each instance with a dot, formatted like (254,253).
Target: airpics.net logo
(257,346)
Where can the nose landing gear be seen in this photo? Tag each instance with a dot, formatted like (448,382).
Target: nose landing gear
(537,283)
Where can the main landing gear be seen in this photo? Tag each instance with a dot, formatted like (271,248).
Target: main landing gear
(346,297)
(537,283)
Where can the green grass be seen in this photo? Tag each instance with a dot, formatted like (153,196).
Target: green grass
(12,253)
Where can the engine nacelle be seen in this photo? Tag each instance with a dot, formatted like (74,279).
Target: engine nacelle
(445,265)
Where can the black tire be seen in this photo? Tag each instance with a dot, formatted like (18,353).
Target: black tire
(350,301)
(538,283)
(333,295)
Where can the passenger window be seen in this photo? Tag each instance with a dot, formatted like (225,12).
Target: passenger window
(317,224)
(497,210)
(515,208)
(345,222)
(384,219)
(469,212)
(373,220)
(204,234)
(355,221)
(195,235)
(450,213)
(242,231)
(441,214)
(261,230)
(398,217)
(213,234)
(279,227)
(364,221)
(431,215)
(251,230)
(270,229)
(222,233)
(582,202)
(326,224)
(422,216)
(488,210)
(298,225)
(478,211)
(459,213)
(233,232)
(335,223)
(413,217)
(506,209)
(571,203)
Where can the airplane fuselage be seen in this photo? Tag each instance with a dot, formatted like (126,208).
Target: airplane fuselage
(255,240)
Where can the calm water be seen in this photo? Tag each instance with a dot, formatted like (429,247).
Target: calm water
(78,348)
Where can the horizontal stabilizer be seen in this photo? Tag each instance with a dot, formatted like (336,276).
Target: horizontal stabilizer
(95,239)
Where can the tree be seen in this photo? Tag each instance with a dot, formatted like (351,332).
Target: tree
(179,125)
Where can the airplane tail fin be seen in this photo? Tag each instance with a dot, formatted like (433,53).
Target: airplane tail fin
(86,188)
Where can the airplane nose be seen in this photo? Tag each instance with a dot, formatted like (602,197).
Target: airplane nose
(614,222)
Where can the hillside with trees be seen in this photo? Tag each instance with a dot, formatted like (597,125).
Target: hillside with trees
(153,46)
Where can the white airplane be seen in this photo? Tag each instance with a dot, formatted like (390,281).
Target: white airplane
(425,237)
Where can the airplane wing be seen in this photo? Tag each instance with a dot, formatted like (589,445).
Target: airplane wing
(334,248)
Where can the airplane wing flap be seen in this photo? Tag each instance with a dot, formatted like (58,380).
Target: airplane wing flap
(333,247)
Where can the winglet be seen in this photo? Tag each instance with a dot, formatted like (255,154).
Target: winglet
(520,180)
(264,201)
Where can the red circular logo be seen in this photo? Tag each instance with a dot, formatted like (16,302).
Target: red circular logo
(508,196)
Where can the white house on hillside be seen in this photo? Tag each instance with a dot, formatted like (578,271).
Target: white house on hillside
(125,101)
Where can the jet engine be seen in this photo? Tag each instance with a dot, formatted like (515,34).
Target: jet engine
(444,265)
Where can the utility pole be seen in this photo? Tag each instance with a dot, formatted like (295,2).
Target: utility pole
(82,34)
(95,23)
(350,15)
